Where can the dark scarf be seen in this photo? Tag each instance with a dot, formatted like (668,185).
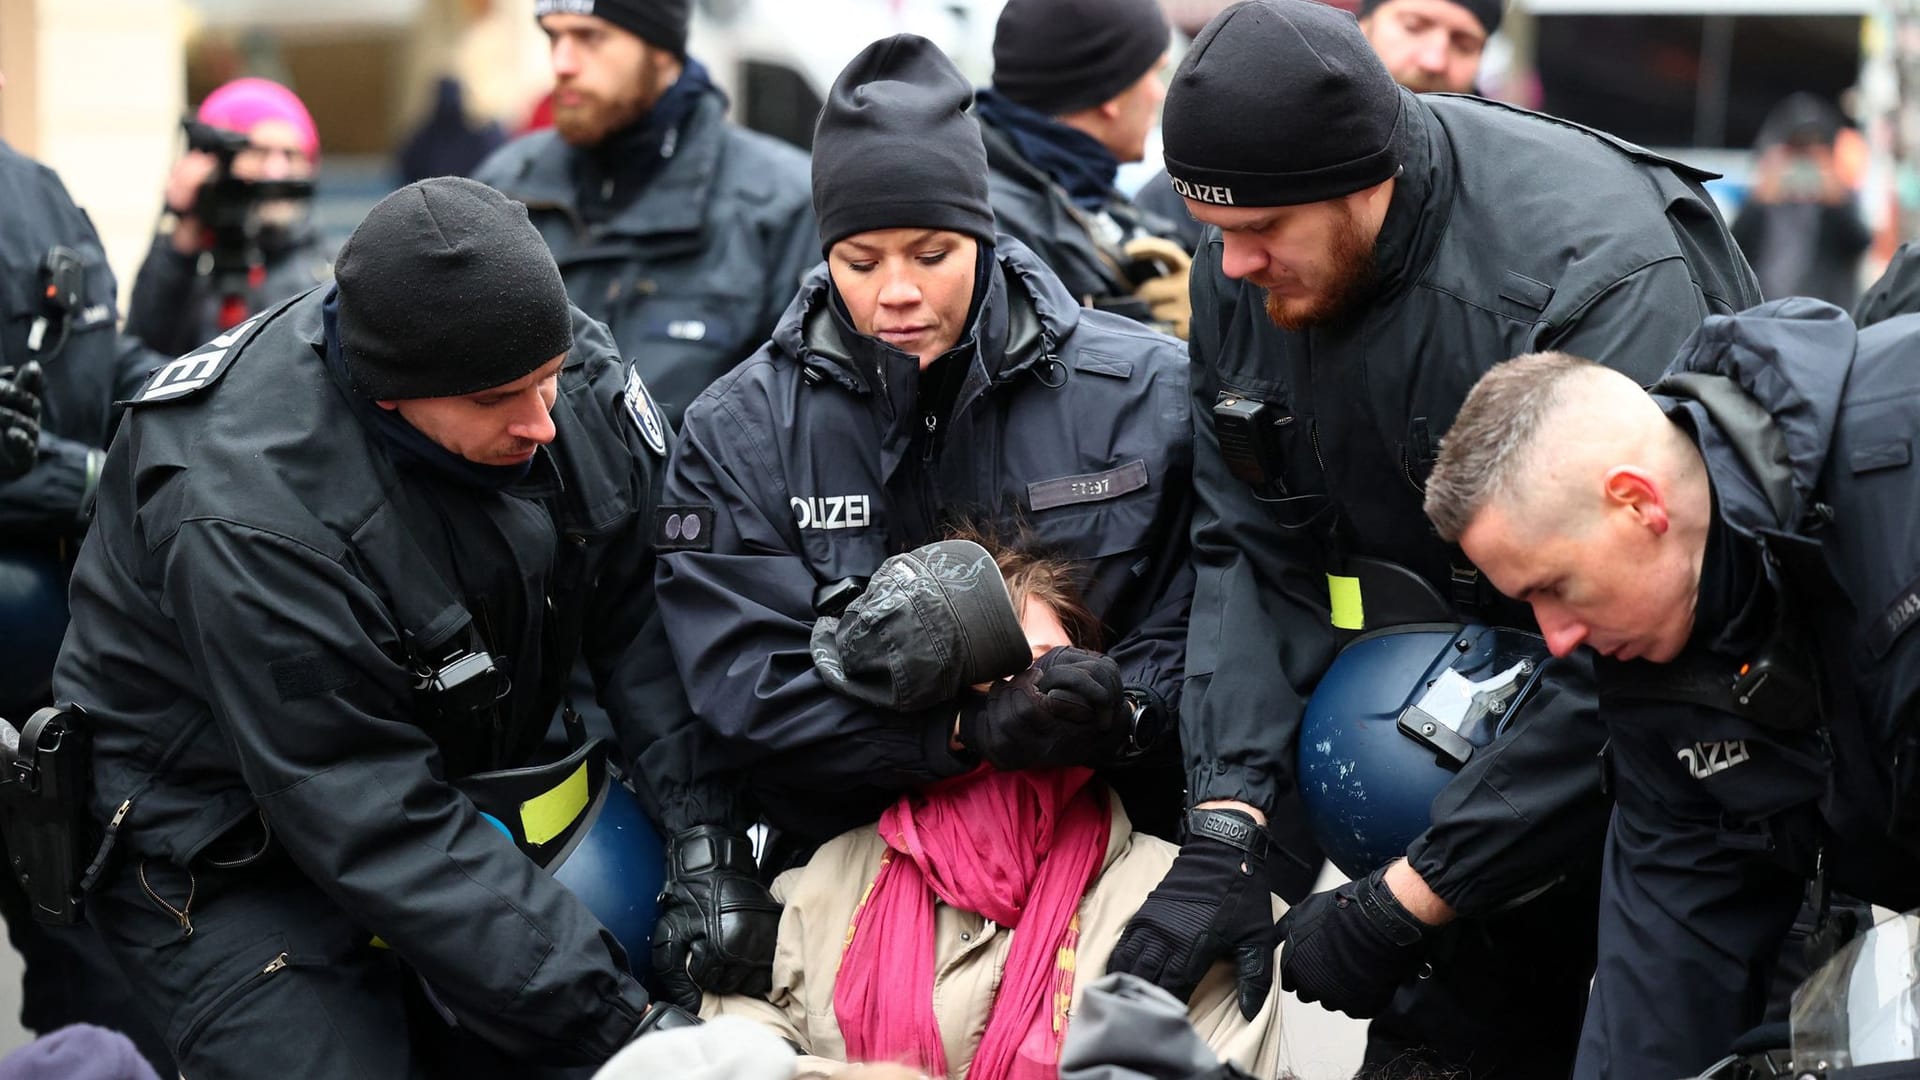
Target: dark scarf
(632,156)
(1075,160)
(406,443)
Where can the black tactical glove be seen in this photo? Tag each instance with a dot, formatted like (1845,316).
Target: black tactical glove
(1213,901)
(717,923)
(1350,948)
(1067,709)
(19,419)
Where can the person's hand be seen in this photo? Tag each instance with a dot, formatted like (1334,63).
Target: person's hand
(188,176)
(1069,708)
(20,407)
(1350,948)
(717,923)
(1165,292)
(1212,904)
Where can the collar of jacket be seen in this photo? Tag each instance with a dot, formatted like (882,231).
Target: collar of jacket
(1422,200)
(1026,317)
(676,199)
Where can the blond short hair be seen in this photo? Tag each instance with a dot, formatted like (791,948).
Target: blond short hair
(1493,437)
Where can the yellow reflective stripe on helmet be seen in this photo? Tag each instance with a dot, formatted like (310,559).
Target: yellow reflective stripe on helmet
(547,815)
(1343,594)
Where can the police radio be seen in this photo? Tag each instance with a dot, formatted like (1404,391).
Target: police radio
(1249,434)
(44,779)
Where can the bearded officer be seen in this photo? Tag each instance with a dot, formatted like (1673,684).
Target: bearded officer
(685,234)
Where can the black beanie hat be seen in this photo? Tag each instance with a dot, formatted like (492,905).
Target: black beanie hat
(1280,102)
(1487,11)
(1061,56)
(660,23)
(895,148)
(446,289)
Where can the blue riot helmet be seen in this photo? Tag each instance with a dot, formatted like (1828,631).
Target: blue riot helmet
(33,619)
(1397,714)
(577,819)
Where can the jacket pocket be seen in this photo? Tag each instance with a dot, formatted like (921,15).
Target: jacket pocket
(248,1005)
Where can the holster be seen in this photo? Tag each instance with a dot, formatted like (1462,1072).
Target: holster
(45,776)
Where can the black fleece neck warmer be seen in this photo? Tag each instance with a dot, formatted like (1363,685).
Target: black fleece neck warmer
(1081,164)
(408,444)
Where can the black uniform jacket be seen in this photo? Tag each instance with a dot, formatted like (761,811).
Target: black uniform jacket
(86,367)
(810,463)
(693,272)
(1722,814)
(1508,232)
(262,583)
(173,307)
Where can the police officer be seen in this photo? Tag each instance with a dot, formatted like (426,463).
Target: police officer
(685,234)
(1739,548)
(930,371)
(1427,45)
(1359,275)
(1076,88)
(179,299)
(62,366)
(346,554)
(1896,293)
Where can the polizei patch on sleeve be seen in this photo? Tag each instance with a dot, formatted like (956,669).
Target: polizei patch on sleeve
(645,413)
(682,528)
(1897,619)
(181,377)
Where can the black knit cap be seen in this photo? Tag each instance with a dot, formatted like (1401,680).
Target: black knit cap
(660,23)
(1487,11)
(446,289)
(1280,102)
(1061,56)
(895,148)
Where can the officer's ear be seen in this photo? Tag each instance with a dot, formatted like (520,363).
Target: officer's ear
(1634,490)
(388,405)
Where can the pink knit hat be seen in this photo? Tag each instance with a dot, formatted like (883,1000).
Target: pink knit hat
(242,103)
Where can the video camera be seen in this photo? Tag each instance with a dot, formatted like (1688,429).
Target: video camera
(228,207)
(44,777)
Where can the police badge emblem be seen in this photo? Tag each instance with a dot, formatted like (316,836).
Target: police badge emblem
(646,415)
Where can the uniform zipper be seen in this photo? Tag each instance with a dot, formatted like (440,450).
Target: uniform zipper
(180,914)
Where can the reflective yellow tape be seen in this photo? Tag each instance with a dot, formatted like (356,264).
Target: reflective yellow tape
(1344,595)
(548,815)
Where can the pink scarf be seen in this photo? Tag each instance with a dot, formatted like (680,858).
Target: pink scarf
(1019,848)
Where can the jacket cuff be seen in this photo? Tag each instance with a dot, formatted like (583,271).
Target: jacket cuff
(702,804)
(1454,889)
(937,743)
(1211,780)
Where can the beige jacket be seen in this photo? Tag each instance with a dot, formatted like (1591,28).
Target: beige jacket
(969,955)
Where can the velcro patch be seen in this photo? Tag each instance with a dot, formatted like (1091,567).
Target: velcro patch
(1090,487)
(296,677)
(682,528)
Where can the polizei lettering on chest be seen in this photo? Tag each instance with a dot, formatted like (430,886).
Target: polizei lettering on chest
(833,511)
(1217,194)
(1703,759)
